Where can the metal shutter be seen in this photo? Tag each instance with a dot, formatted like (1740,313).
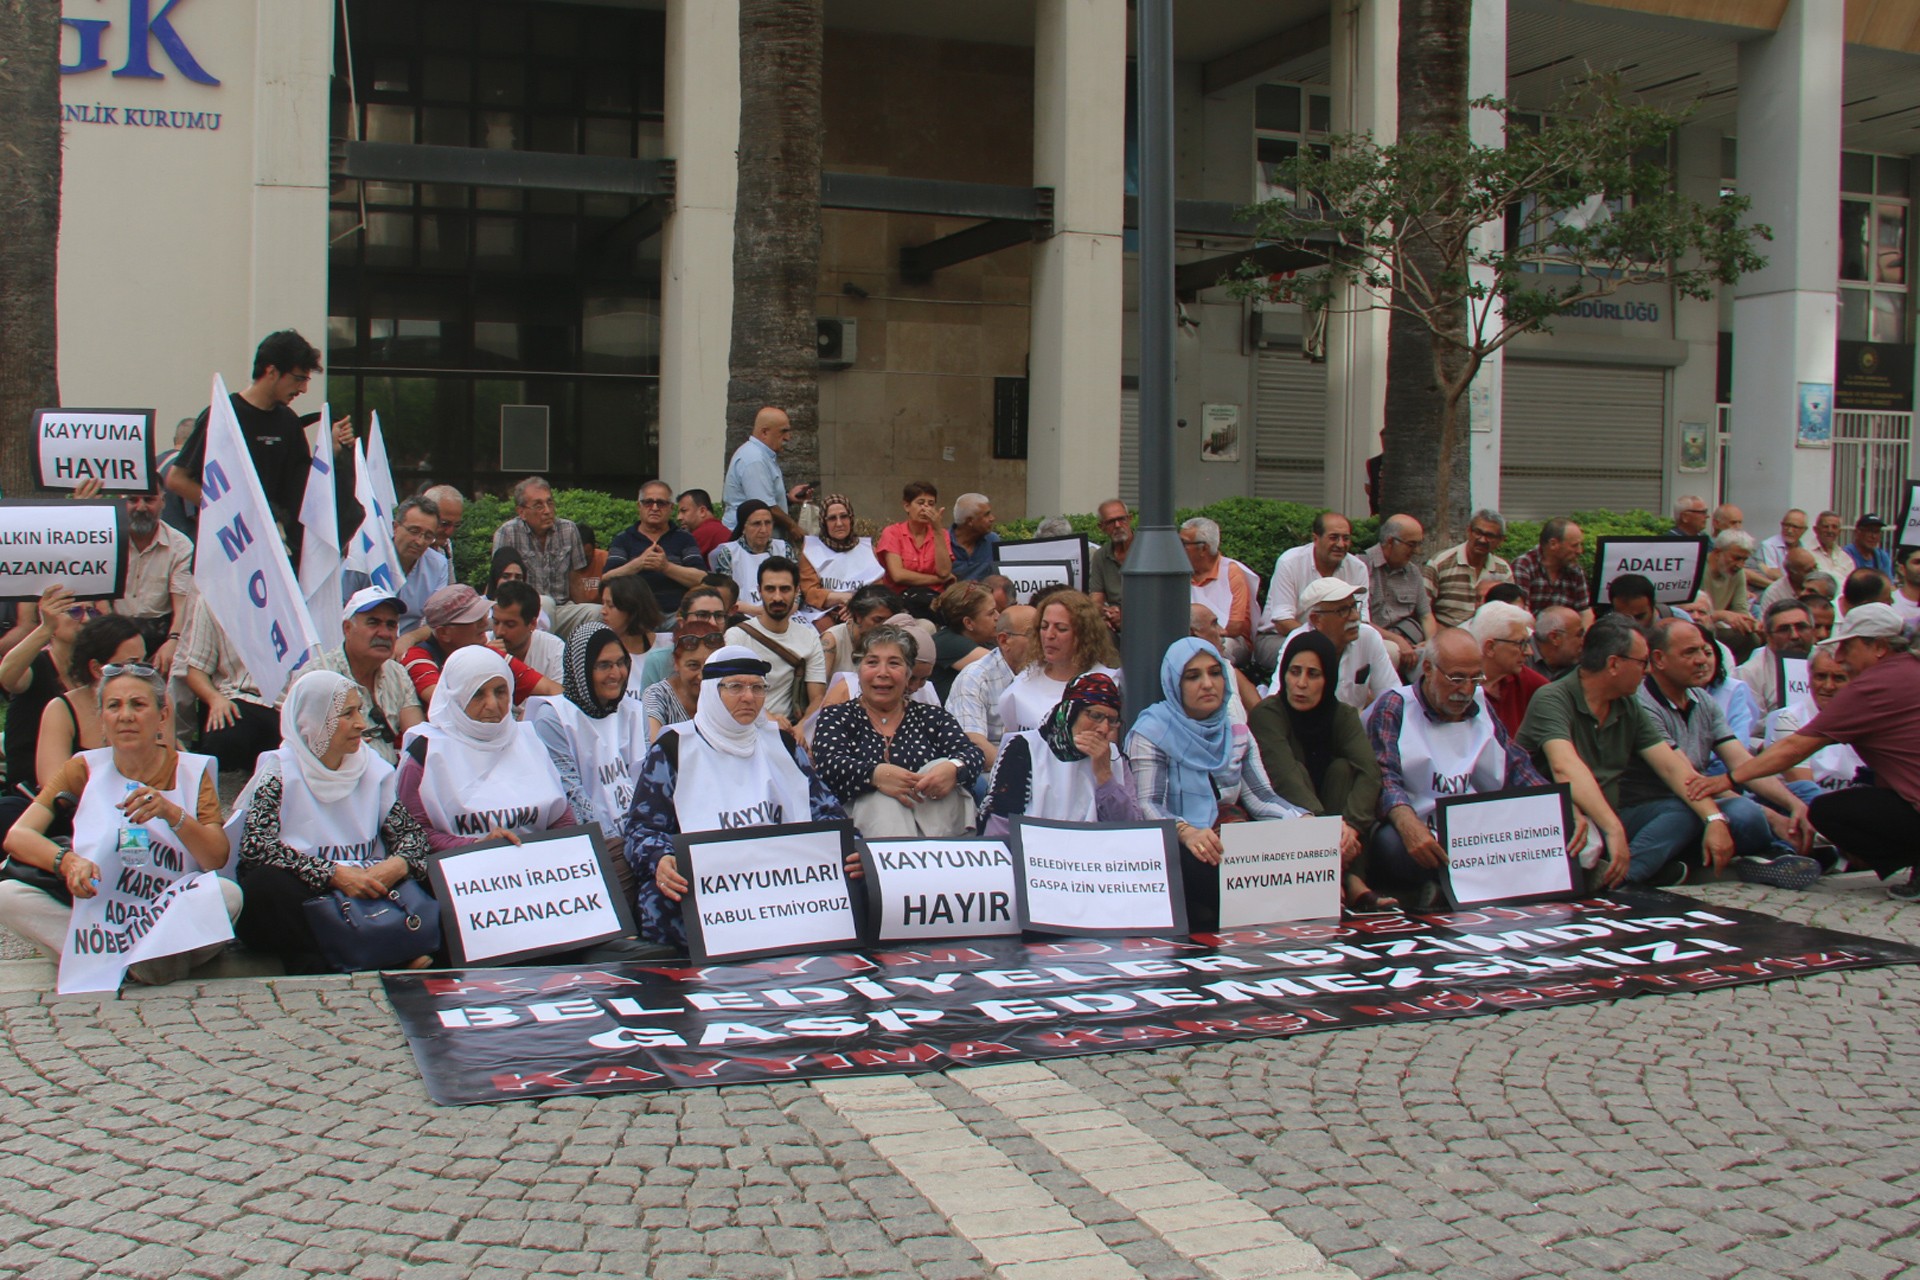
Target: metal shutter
(1290,427)
(1130,446)
(1580,437)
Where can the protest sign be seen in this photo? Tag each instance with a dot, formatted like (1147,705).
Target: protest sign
(762,891)
(1908,530)
(241,566)
(500,1035)
(1674,566)
(1508,846)
(1042,560)
(82,546)
(1098,878)
(1030,577)
(1793,680)
(939,889)
(151,900)
(1272,872)
(113,446)
(552,892)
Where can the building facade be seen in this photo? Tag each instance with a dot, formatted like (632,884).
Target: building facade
(512,222)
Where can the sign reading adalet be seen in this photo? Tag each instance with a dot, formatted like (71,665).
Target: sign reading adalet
(1674,566)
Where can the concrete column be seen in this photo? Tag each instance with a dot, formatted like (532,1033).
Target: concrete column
(293,50)
(1079,127)
(1785,315)
(1366,45)
(1696,323)
(696,259)
(1486,77)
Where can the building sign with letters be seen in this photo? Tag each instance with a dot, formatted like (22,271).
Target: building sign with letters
(762,891)
(81,546)
(1098,878)
(113,446)
(552,892)
(920,889)
(1675,566)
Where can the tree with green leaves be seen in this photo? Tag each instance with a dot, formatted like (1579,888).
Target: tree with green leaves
(1470,246)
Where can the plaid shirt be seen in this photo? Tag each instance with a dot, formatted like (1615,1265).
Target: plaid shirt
(974,699)
(1383,727)
(550,563)
(1543,592)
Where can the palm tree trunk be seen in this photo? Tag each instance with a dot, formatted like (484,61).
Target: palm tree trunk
(1425,473)
(30,212)
(776,228)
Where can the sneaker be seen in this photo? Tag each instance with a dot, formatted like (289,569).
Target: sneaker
(1908,890)
(1788,871)
(1675,872)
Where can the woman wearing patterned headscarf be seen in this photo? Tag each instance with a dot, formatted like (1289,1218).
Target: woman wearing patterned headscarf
(835,563)
(753,543)
(596,735)
(1067,770)
(322,812)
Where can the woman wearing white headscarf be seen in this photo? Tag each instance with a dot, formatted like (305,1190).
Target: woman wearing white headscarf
(322,812)
(596,735)
(727,767)
(472,772)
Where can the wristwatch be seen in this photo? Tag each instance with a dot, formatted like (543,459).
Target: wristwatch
(1716,817)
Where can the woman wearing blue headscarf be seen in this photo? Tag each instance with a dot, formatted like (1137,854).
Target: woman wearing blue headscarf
(1186,766)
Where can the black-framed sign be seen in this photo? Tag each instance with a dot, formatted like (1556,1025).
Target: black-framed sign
(1010,558)
(1509,846)
(1274,872)
(1098,879)
(1909,530)
(1030,577)
(939,888)
(81,545)
(767,891)
(503,902)
(1675,566)
(113,446)
(1793,680)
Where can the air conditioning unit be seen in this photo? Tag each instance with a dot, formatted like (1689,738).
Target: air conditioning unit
(839,341)
(524,434)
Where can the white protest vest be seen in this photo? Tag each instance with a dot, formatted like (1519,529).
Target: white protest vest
(1062,790)
(345,832)
(847,570)
(745,567)
(717,791)
(606,751)
(1218,594)
(467,792)
(98,819)
(1032,695)
(1447,757)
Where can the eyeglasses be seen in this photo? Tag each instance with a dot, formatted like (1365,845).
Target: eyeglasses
(1461,682)
(608,668)
(744,688)
(141,669)
(1518,644)
(687,644)
(1642,661)
(1339,610)
(1102,717)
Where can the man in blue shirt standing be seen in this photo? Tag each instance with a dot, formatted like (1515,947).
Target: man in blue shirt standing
(755,472)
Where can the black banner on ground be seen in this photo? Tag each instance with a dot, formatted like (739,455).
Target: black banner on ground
(490,1035)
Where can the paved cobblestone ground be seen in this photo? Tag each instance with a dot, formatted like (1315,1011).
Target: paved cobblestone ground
(279,1129)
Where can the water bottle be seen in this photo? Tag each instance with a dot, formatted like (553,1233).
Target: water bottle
(134,843)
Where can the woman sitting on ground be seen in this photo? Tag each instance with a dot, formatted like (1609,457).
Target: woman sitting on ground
(1073,640)
(902,768)
(710,773)
(34,673)
(968,616)
(71,722)
(322,813)
(1316,752)
(1067,770)
(595,734)
(834,564)
(507,566)
(472,772)
(753,542)
(674,700)
(1182,753)
(916,552)
(137,781)
(701,604)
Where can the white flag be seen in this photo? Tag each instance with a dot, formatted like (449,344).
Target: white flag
(379,468)
(372,551)
(241,568)
(320,543)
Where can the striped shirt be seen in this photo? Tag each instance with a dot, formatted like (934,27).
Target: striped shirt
(1452,583)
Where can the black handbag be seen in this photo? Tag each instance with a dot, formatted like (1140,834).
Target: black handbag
(354,934)
(50,883)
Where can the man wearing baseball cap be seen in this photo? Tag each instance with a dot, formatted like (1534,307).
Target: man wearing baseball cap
(1874,713)
(457,616)
(1334,607)
(369,626)
(1865,550)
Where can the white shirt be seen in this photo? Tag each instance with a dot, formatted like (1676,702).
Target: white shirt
(1837,562)
(547,654)
(799,639)
(1291,574)
(1773,552)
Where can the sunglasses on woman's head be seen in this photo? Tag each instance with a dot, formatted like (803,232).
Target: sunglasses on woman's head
(113,669)
(687,644)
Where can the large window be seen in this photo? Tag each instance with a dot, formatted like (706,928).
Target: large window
(1873,248)
(447,302)
(1286,117)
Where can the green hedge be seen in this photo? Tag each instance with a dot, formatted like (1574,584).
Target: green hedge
(1253,531)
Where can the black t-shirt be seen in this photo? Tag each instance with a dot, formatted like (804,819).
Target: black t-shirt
(278,445)
(23,721)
